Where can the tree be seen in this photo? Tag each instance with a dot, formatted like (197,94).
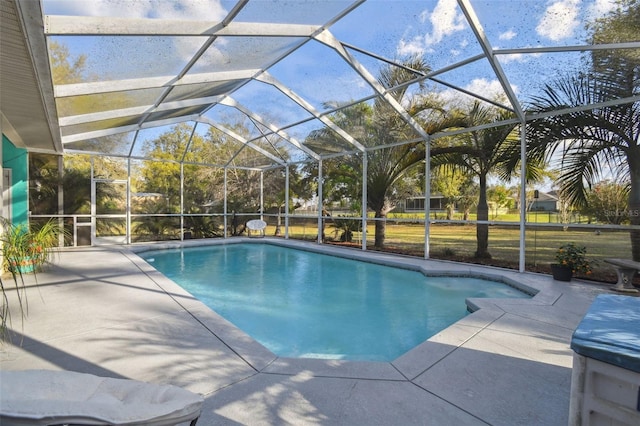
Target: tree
(45,179)
(63,69)
(500,197)
(607,202)
(451,184)
(481,153)
(381,126)
(594,143)
(163,176)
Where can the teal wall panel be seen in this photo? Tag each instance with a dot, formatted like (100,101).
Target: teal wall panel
(17,160)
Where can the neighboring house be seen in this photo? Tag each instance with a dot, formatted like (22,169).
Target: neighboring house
(546,202)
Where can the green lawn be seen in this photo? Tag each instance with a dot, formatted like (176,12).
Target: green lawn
(458,242)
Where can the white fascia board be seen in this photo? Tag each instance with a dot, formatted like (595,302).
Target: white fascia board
(269,79)
(31,16)
(233,103)
(101,25)
(91,88)
(125,112)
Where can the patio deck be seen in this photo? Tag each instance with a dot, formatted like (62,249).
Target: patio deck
(103,310)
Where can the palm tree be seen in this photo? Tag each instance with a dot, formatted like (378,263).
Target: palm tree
(493,150)
(590,143)
(603,140)
(381,125)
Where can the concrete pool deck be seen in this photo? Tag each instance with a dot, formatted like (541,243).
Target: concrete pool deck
(105,311)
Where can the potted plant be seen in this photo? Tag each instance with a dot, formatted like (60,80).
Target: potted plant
(24,248)
(571,259)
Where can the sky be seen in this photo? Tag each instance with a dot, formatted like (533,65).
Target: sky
(396,28)
(392,29)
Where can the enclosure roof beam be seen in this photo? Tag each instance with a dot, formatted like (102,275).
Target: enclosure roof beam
(478,30)
(129,128)
(114,26)
(558,49)
(269,79)
(474,95)
(240,139)
(233,103)
(91,88)
(328,39)
(613,102)
(126,112)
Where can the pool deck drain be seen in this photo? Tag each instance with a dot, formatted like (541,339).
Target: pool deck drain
(103,310)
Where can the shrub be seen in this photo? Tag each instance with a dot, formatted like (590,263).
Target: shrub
(574,257)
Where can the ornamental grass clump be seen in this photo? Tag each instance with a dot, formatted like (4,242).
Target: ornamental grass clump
(574,257)
(24,249)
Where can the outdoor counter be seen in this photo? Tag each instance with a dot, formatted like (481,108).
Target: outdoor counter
(605,382)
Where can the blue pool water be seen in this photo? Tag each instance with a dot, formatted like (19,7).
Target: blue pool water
(303,304)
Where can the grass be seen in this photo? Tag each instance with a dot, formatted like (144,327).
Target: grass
(458,242)
(405,235)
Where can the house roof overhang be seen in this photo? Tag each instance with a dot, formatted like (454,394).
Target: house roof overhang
(27,105)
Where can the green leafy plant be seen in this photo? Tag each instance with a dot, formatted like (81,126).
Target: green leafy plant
(23,250)
(572,256)
(24,246)
(346,227)
(448,252)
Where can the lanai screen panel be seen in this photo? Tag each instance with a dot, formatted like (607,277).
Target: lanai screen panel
(101,102)
(290,68)
(243,53)
(309,12)
(328,79)
(113,145)
(269,105)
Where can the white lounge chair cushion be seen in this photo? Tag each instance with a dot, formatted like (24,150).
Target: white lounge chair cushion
(41,397)
(256,224)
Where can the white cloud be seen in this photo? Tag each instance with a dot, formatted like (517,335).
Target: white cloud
(507,35)
(514,57)
(411,47)
(560,20)
(490,89)
(445,20)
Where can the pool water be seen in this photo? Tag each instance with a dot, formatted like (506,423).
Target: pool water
(303,304)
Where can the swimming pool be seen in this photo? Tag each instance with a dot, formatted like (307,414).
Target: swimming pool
(303,304)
